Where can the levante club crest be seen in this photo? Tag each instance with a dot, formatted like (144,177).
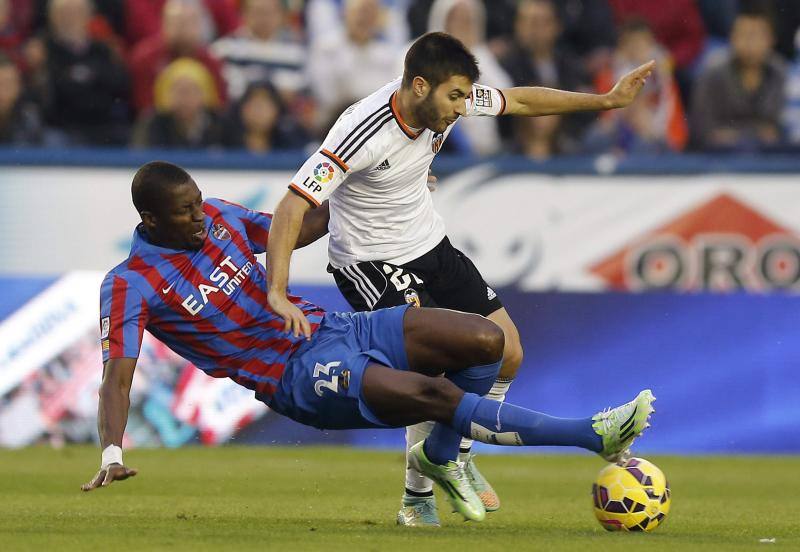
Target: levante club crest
(220,232)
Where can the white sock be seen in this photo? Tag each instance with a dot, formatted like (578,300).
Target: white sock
(496,393)
(415,481)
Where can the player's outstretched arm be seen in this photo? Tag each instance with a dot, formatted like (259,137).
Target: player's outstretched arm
(112,416)
(283,233)
(315,225)
(531,101)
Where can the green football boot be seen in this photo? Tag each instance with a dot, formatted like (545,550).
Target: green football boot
(480,485)
(453,481)
(418,511)
(619,426)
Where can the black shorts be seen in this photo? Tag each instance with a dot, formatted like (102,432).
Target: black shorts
(443,277)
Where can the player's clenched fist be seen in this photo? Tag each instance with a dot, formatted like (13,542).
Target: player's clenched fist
(104,477)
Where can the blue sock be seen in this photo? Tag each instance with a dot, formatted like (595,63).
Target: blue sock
(507,424)
(442,444)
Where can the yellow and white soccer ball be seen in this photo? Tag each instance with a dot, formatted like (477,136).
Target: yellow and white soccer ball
(633,495)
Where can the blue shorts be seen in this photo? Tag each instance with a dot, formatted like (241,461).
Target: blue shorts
(321,386)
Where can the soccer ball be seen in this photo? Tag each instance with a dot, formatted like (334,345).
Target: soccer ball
(632,495)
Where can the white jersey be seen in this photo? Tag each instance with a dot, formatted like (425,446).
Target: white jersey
(374,170)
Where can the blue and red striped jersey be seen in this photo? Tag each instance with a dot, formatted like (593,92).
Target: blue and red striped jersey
(209,306)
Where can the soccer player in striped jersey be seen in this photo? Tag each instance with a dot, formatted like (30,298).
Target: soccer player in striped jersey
(387,243)
(192,280)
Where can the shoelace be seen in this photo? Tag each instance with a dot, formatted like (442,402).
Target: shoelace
(457,470)
(619,412)
(603,418)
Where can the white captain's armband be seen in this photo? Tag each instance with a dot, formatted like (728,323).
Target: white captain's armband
(485,102)
(319,176)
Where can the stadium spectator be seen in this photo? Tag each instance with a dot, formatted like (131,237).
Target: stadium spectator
(344,68)
(499,17)
(20,123)
(82,84)
(181,36)
(677,24)
(186,102)
(106,23)
(264,48)
(738,99)
(259,122)
(319,15)
(466,20)
(587,26)
(535,58)
(143,19)
(655,121)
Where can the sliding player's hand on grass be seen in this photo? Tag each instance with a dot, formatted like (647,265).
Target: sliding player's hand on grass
(629,85)
(294,319)
(106,476)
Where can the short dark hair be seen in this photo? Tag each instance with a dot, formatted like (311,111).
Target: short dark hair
(758,9)
(438,56)
(150,182)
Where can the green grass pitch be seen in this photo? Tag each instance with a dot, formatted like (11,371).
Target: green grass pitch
(238,498)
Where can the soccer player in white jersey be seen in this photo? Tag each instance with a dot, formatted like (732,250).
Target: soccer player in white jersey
(387,243)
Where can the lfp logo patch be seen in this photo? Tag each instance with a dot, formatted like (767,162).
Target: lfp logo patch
(323,173)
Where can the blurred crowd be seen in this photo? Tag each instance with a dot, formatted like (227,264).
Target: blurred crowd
(265,75)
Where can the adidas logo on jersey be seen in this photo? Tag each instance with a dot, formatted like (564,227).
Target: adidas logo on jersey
(383,166)
(490,294)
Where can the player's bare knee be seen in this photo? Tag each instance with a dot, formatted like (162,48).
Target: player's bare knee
(490,342)
(512,359)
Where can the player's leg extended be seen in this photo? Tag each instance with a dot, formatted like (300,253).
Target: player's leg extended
(402,398)
(614,426)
